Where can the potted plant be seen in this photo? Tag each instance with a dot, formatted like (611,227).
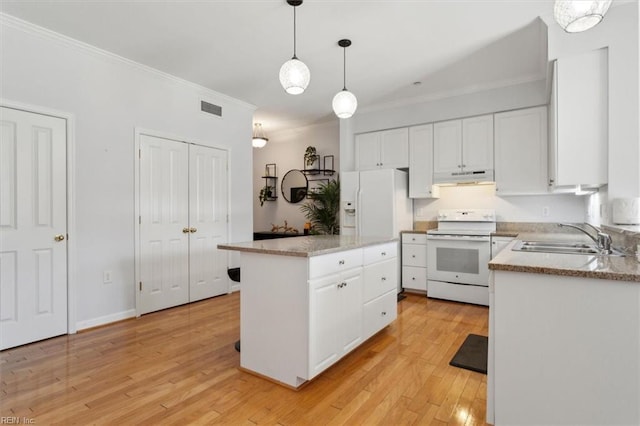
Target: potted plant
(266,193)
(323,207)
(310,156)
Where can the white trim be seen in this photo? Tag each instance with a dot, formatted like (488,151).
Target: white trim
(34,29)
(138,131)
(107,319)
(71,201)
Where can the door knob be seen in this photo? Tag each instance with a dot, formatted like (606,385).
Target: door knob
(185,230)
(59,237)
(192,230)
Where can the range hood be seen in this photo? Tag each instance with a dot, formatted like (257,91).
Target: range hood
(463,177)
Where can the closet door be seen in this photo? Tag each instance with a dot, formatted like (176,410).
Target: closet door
(164,223)
(207,222)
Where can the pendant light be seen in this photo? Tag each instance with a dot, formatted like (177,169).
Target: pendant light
(575,16)
(344,102)
(259,139)
(294,74)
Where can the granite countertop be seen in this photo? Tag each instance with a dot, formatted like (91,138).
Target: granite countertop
(306,246)
(575,265)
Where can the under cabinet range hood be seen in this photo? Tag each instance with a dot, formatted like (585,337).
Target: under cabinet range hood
(463,177)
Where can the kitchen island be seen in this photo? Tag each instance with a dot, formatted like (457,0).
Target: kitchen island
(305,302)
(564,339)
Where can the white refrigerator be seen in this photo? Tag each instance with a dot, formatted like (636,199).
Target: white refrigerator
(375,203)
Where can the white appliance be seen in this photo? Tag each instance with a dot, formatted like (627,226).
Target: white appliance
(458,253)
(375,203)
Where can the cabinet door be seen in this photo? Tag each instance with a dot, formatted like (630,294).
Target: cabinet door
(367,151)
(394,148)
(324,319)
(582,126)
(421,161)
(521,151)
(477,143)
(447,142)
(499,243)
(349,327)
(414,255)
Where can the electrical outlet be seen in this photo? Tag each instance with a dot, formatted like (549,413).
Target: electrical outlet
(545,211)
(106,277)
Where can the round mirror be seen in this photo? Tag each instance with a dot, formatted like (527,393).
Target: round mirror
(294,186)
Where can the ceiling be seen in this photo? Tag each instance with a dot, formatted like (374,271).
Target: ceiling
(236,47)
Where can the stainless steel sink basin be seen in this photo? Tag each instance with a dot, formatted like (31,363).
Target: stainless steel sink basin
(561,248)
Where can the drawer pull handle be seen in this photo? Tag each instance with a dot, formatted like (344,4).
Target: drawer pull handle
(342,284)
(341,262)
(383,313)
(383,253)
(413,278)
(384,278)
(413,255)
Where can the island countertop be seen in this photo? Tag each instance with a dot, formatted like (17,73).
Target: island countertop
(306,246)
(576,265)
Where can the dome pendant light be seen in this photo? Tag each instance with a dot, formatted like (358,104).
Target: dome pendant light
(344,102)
(294,74)
(575,16)
(259,140)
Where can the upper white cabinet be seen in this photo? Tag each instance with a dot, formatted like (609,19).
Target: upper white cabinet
(421,161)
(579,120)
(521,151)
(463,145)
(386,149)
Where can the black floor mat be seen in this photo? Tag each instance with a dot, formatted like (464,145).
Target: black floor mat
(472,355)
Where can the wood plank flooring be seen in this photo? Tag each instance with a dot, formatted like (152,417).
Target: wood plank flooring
(179,366)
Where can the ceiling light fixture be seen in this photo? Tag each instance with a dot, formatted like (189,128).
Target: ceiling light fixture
(344,102)
(575,16)
(259,139)
(294,74)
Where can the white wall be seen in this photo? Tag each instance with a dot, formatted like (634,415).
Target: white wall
(620,32)
(110,97)
(286,149)
(539,208)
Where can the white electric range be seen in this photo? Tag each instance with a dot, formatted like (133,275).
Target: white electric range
(458,254)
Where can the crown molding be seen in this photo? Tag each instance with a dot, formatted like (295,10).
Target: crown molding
(33,29)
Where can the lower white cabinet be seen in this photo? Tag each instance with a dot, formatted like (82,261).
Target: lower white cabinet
(379,313)
(498,244)
(335,320)
(414,261)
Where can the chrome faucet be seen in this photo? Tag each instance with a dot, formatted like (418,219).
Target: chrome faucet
(603,241)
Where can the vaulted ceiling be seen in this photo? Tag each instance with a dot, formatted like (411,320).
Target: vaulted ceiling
(237,47)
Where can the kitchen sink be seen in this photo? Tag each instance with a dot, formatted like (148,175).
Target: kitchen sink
(561,248)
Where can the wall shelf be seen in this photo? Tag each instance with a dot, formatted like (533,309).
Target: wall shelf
(271,180)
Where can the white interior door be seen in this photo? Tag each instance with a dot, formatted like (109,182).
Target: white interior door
(164,223)
(33,226)
(207,222)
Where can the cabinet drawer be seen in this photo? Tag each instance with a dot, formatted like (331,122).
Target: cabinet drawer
(409,238)
(334,262)
(379,313)
(380,252)
(414,255)
(414,278)
(379,278)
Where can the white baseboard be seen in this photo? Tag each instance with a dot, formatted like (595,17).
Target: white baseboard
(234,288)
(95,322)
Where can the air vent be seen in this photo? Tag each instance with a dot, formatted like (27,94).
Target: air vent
(211,108)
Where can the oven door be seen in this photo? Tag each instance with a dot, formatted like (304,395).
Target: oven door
(458,259)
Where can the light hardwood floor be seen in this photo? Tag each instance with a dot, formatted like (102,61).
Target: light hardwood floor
(179,366)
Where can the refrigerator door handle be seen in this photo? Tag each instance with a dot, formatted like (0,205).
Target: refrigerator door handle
(358,212)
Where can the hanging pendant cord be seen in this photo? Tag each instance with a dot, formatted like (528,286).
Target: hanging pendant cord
(294,33)
(344,69)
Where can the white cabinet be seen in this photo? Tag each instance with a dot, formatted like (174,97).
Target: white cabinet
(579,120)
(381,276)
(386,149)
(521,151)
(421,162)
(498,244)
(414,261)
(463,145)
(335,318)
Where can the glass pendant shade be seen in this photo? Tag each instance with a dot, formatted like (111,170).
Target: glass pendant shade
(294,76)
(575,16)
(344,104)
(259,140)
